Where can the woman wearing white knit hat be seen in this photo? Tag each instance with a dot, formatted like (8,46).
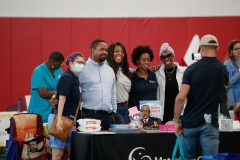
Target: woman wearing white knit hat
(169,78)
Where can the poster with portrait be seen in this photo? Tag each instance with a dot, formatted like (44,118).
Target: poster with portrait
(155,107)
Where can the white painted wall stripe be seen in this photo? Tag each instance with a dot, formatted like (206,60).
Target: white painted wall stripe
(116,8)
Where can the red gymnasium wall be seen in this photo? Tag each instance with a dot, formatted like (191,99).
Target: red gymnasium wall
(27,42)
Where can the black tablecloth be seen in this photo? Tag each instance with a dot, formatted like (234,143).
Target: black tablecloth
(136,145)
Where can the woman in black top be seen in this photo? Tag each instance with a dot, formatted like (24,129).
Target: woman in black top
(144,82)
(169,78)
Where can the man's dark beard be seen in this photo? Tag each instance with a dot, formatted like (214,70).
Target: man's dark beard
(102,59)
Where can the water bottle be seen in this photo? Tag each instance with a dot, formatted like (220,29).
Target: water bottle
(19,105)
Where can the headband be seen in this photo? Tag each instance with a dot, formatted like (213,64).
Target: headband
(72,56)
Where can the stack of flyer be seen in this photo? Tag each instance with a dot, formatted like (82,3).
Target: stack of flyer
(89,125)
(123,128)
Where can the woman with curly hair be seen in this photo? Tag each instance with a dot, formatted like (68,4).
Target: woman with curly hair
(144,82)
(232,63)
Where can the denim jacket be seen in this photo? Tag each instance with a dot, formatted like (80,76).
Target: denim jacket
(230,88)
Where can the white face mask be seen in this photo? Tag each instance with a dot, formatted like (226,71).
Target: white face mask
(78,68)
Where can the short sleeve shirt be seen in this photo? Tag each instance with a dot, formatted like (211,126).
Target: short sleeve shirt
(68,85)
(42,78)
(206,79)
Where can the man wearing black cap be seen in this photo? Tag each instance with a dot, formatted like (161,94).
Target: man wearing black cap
(202,85)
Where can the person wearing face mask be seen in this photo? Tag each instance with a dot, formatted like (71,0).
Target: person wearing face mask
(169,78)
(68,95)
(98,86)
(144,82)
(43,84)
(232,64)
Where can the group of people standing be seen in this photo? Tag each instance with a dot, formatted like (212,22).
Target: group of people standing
(105,81)
(106,84)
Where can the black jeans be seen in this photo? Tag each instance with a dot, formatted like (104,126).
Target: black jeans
(103,116)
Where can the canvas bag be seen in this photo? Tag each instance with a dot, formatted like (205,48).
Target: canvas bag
(178,144)
(67,125)
(35,147)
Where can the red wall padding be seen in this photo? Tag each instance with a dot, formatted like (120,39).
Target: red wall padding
(27,42)
(5,64)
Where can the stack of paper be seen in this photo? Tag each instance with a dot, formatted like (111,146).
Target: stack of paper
(119,126)
(123,128)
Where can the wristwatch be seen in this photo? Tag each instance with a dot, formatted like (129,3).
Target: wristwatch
(176,120)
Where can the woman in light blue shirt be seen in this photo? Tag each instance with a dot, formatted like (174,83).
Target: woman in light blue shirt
(232,63)
(43,84)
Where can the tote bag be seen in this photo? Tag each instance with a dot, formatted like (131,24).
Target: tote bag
(178,144)
(35,146)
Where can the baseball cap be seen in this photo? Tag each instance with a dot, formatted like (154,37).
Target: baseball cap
(209,40)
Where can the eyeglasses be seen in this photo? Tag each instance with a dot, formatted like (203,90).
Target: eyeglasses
(59,64)
(80,62)
(167,56)
(236,49)
(72,56)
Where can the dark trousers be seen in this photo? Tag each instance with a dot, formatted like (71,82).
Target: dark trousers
(224,109)
(122,112)
(104,117)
